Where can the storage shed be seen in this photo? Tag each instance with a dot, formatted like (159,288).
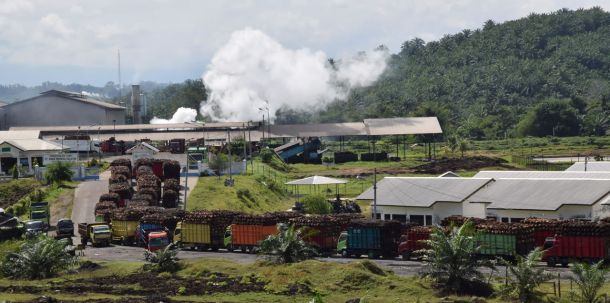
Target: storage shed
(56,108)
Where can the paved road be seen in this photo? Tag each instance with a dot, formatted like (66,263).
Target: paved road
(86,195)
(403,268)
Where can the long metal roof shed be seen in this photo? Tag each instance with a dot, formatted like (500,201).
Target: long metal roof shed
(542,194)
(536,174)
(591,166)
(423,191)
(403,126)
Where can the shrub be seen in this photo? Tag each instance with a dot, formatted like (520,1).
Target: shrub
(58,172)
(526,276)
(163,260)
(589,279)
(287,246)
(38,258)
(317,204)
(266,155)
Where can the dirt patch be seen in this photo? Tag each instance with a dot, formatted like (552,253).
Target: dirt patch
(455,164)
(62,207)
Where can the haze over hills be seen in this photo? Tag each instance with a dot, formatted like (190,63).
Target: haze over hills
(512,78)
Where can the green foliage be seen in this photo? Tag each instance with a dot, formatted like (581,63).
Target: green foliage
(15,172)
(589,279)
(316,204)
(551,117)
(58,172)
(526,276)
(38,258)
(287,246)
(266,155)
(162,260)
(13,191)
(452,261)
(165,101)
(485,80)
(219,162)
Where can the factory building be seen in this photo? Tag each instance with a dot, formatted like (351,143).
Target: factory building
(60,108)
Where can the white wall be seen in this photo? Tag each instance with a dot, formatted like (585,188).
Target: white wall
(438,211)
(475,210)
(564,212)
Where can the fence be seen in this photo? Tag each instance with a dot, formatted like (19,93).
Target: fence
(532,163)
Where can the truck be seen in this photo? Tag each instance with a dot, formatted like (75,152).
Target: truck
(79,144)
(247,238)
(152,236)
(10,227)
(197,236)
(39,211)
(373,241)
(33,228)
(96,233)
(323,238)
(65,229)
(124,231)
(563,249)
(412,241)
(177,146)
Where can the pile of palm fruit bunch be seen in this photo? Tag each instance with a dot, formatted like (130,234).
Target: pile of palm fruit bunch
(142,162)
(121,171)
(122,189)
(149,181)
(121,162)
(114,179)
(134,213)
(542,228)
(171,184)
(105,208)
(218,220)
(169,199)
(584,228)
(338,220)
(171,169)
(457,220)
(167,218)
(265,219)
(110,197)
(149,193)
(144,197)
(421,229)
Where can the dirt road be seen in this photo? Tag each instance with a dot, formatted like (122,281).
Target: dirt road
(86,195)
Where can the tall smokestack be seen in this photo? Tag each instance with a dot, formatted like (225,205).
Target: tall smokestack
(135,101)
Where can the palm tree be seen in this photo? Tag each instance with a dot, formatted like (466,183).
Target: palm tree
(58,172)
(38,258)
(163,260)
(287,246)
(589,279)
(451,259)
(526,276)
(463,146)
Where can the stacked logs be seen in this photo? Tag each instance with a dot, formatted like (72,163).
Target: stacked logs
(171,169)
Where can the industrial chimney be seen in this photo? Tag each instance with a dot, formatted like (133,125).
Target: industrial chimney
(135,102)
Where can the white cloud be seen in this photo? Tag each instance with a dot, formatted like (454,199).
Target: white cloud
(55,24)
(13,6)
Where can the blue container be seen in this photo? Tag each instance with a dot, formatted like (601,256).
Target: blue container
(368,238)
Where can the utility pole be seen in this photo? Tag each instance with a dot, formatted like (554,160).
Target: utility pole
(375,193)
(186,178)
(230,160)
(243,125)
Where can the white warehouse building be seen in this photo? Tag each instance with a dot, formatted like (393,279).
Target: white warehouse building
(428,200)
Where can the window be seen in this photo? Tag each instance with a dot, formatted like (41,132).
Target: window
(505,219)
(400,218)
(516,220)
(418,219)
(6,149)
(387,217)
(428,220)
(378,216)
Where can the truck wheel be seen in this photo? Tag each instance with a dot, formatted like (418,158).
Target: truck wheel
(406,256)
(83,241)
(230,248)
(125,242)
(564,262)
(550,262)
(214,248)
(243,249)
(344,253)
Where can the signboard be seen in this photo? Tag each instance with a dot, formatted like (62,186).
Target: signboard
(48,159)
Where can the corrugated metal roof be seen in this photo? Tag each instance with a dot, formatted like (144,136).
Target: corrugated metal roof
(255,136)
(423,191)
(531,174)
(316,180)
(33,145)
(135,127)
(318,130)
(591,166)
(403,126)
(73,96)
(24,134)
(148,146)
(541,194)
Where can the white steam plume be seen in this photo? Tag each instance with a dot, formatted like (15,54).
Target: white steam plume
(182,115)
(252,70)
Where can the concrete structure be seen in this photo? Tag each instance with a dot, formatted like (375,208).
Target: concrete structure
(56,108)
(24,149)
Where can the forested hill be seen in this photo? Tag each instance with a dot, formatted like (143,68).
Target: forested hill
(533,76)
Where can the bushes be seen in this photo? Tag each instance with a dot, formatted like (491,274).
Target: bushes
(38,258)
(287,246)
(266,155)
(58,172)
(316,204)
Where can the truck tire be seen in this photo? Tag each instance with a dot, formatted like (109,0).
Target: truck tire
(230,248)
(550,262)
(83,241)
(214,248)
(406,256)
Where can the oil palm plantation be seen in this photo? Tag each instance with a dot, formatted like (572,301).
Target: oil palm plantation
(38,258)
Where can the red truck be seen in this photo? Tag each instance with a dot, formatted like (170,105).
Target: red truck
(247,237)
(412,241)
(565,249)
(323,238)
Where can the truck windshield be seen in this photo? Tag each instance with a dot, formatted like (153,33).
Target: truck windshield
(34,225)
(39,215)
(101,229)
(158,242)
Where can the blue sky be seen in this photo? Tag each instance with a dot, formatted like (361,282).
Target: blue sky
(73,41)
